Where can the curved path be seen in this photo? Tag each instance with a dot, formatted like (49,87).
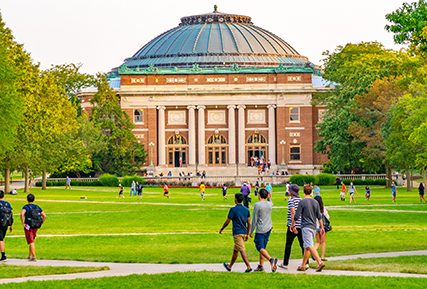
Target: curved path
(124,269)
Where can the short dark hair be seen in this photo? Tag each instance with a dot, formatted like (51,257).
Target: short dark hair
(263,193)
(1,194)
(30,198)
(239,197)
(307,190)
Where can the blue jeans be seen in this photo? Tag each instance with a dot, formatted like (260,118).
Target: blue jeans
(134,192)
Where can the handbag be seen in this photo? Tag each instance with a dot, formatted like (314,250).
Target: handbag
(249,199)
(326,224)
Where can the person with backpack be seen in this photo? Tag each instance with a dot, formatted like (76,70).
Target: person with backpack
(321,239)
(32,218)
(6,220)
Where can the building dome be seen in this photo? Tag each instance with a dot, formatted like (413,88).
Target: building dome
(216,40)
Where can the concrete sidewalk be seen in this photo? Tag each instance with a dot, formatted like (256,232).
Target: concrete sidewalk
(124,269)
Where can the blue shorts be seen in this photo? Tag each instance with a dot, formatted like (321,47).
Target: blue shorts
(261,240)
(393,194)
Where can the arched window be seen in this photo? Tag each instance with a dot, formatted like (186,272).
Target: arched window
(138,115)
(256,138)
(177,140)
(217,150)
(217,139)
(177,151)
(256,148)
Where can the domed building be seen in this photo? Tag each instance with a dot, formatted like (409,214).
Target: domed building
(217,91)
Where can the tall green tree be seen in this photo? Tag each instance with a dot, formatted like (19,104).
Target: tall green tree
(409,25)
(352,69)
(123,155)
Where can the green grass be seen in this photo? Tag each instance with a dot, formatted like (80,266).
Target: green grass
(228,280)
(402,264)
(11,271)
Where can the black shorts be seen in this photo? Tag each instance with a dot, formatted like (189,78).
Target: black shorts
(421,193)
(165,193)
(139,193)
(224,193)
(3,231)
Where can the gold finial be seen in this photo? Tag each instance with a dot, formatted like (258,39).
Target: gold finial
(215,9)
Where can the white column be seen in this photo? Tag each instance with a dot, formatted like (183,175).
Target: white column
(191,135)
(201,133)
(272,134)
(241,133)
(231,134)
(161,136)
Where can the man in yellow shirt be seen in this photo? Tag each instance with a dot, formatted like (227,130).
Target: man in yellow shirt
(202,190)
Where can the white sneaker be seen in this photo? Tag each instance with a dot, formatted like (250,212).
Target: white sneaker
(307,267)
(281,265)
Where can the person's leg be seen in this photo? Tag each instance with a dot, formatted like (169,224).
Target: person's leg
(290,236)
(261,259)
(2,246)
(322,245)
(314,254)
(245,259)
(305,258)
(318,241)
(233,258)
(32,250)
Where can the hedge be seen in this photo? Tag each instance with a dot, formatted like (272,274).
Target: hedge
(108,180)
(325,179)
(366,182)
(73,183)
(127,180)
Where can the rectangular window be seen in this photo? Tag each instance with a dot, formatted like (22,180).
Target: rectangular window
(294,114)
(217,157)
(210,157)
(223,157)
(138,116)
(295,152)
(184,158)
(171,158)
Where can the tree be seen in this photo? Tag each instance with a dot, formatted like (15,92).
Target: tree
(409,25)
(353,69)
(69,77)
(122,154)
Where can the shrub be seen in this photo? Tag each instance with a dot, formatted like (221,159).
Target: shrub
(366,182)
(325,179)
(297,179)
(309,179)
(127,180)
(108,180)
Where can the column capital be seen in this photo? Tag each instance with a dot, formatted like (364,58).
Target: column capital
(159,107)
(239,106)
(271,106)
(191,107)
(201,107)
(231,106)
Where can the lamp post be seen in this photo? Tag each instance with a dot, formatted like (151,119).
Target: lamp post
(151,145)
(282,142)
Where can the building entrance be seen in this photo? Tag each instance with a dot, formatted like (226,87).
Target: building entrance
(177,151)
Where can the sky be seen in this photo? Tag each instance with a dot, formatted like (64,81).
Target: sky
(101,34)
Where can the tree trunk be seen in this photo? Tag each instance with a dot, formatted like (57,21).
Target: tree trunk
(408,181)
(7,181)
(78,174)
(424,175)
(388,175)
(27,187)
(44,179)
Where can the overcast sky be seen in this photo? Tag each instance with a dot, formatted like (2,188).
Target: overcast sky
(101,34)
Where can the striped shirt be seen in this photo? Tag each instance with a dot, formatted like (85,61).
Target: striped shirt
(293,204)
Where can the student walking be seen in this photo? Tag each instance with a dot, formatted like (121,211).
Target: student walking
(140,189)
(68,183)
(241,218)
(269,189)
(166,191)
(290,235)
(316,190)
(342,194)
(121,191)
(321,239)
(288,184)
(133,189)
(351,191)
(367,193)
(245,192)
(309,211)
(256,188)
(202,189)
(421,192)
(32,218)
(393,191)
(224,192)
(6,220)
(262,222)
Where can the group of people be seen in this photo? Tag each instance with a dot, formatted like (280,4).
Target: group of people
(352,190)
(136,188)
(32,218)
(305,221)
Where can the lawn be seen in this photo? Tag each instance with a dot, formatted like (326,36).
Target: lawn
(10,271)
(228,280)
(401,264)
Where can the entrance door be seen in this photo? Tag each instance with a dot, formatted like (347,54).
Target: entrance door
(177,156)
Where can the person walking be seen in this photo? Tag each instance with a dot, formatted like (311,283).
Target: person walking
(68,183)
(121,191)
(256,188)
(244,190)
(6,221)
(351,191)
(316,190)
(140,189)
(421,192)
(342,194)
(241,218)
(393,191)
(288,184)
(321,239)
(32,218)
(166,191)
(367,193)
(224,192)
(308,209)
(202,189)
(338,182)
(269,189)
(262,222)
(290,235)
(133,189)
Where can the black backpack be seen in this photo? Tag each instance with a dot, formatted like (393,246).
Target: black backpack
(6,216)
(326,224)
(34,217)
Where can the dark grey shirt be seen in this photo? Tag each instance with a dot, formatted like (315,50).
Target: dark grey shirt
(309,210)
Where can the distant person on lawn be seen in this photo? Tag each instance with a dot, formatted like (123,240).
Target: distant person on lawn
(309,211)
(421,190)
(351,191)
(6,221)
(202,189)
(367,193)
(261,220)
(393,191)
(224,192)
(139,189)
(133,188)
(166,191)
(342,194)
(245,192)
(68,183)
(32,218)
(241,218)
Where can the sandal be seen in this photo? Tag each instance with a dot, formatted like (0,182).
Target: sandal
(301,268)
(320,268)
(323,259)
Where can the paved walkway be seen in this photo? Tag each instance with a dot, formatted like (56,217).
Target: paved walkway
(124,269)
